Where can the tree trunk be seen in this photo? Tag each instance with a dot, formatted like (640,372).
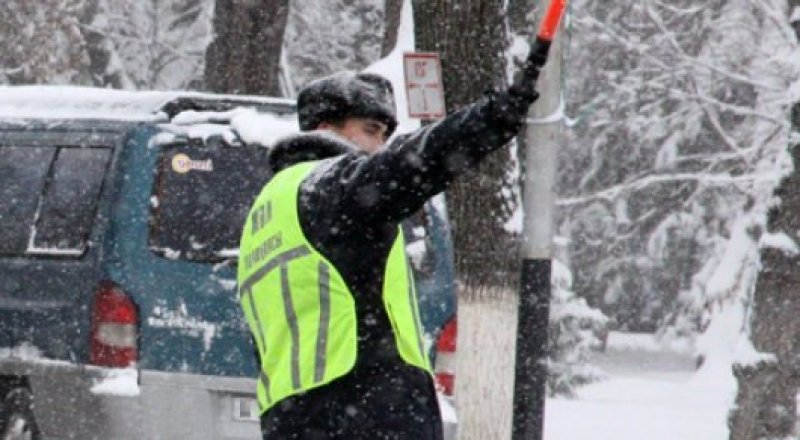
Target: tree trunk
(392,10)
(469,37)
(522,16)
(244,58)
(766,402)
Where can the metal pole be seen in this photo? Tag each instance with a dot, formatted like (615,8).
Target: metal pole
(540,138)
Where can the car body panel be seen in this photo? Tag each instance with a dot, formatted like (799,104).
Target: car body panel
(196,362)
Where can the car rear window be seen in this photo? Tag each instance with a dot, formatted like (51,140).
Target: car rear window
(201,198)
(50,196)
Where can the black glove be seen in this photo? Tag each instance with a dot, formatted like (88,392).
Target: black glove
(524,85)
(509,107)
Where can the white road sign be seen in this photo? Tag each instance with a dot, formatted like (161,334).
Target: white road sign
(424,89)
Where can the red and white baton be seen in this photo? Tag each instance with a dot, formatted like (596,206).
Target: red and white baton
(552,18)
(547,31)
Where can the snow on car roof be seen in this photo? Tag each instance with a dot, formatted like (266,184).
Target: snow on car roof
(71,102)
(248,125)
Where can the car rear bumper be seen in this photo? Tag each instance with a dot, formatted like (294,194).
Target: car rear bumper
(82,402)
(449,419)
(85,402)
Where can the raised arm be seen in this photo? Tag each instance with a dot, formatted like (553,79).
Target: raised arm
(392,184)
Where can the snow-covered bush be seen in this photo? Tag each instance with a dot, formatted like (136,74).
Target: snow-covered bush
(575,330)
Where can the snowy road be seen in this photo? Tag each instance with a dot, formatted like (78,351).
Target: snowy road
(650,394)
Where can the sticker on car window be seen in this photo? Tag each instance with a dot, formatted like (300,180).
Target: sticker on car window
(182,164)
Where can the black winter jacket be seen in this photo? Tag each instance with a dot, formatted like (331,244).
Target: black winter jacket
(350,207)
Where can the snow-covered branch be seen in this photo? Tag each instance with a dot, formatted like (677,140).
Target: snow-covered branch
(615,191)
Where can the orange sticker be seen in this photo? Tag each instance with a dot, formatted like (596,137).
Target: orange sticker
(182,164)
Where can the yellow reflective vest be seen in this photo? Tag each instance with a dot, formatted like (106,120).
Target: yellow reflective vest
(299,309)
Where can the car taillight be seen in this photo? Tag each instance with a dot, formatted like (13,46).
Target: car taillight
(445,368)
(114,328)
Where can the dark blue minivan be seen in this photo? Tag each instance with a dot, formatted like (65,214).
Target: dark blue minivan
(120,215)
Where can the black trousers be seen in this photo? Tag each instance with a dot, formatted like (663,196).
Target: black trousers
(395,402)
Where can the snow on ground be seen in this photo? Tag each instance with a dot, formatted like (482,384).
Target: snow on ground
(118,382)
(628,408)
(652,391)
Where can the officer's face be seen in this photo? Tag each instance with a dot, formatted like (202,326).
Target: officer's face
(370,135)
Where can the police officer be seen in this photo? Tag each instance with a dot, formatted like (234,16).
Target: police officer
(323,277)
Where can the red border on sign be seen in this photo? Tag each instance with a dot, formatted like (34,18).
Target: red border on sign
(435,57)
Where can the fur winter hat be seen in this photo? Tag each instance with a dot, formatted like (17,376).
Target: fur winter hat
(347,94)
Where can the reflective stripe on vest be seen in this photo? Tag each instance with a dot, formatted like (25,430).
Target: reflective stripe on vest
(299,309)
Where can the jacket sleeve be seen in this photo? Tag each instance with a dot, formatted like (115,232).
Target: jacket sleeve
(394,183)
